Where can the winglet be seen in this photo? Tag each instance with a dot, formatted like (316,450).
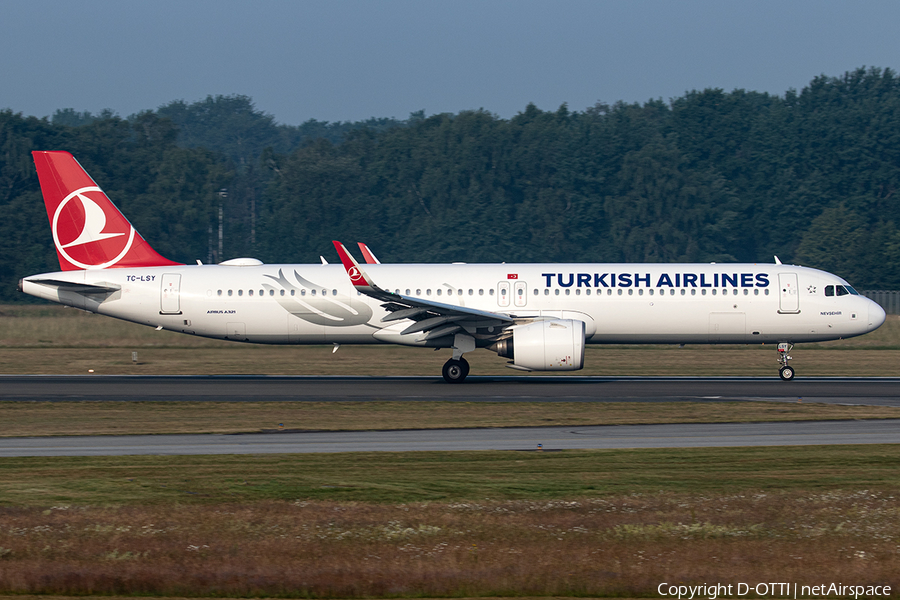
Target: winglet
(357,276)
(367,254)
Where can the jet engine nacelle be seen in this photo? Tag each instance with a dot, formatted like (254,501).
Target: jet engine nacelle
(556,345)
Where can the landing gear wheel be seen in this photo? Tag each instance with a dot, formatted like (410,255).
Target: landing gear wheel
(455,371)
(786,373)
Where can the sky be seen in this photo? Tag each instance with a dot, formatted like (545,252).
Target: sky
(341,60)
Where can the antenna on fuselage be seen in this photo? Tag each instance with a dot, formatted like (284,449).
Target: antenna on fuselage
(777,261)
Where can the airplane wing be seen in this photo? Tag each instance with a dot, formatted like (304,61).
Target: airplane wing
(431,319)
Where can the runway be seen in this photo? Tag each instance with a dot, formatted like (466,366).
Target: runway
(239,388)
(518,438)
(868,391)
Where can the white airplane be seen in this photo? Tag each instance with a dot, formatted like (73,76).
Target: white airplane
(540,316)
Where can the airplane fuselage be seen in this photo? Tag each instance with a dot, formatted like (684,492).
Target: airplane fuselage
(619,303)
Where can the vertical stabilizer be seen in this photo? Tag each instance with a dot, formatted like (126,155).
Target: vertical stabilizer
(89,232)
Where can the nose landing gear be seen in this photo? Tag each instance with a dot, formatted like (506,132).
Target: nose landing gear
(786,372)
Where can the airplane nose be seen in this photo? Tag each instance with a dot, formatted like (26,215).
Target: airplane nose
(876,315)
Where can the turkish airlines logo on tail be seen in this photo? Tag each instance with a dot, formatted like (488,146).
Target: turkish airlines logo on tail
(355,275)
(85,235)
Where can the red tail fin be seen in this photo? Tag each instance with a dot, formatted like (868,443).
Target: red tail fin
(88,230)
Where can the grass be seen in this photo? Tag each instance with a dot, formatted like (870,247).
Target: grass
(123,418)
(441,476)
(622,546)
(53,339)
(575,523)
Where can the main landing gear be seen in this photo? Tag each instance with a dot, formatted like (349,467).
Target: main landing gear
(455,370)
(786,372)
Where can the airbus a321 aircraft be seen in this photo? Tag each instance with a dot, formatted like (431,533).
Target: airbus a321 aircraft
(539,316)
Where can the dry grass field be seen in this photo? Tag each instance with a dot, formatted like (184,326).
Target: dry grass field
(579,523)
(623,546)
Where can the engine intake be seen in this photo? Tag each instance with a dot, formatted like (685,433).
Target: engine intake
(556,345)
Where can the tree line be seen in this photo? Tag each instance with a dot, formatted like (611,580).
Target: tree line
(809,176)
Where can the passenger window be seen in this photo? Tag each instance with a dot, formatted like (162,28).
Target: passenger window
(609,292)
(481,292)
(568,291)
(829,290)
(556,292)
(240,292)
(312,292)
(767,292)
(620,291)
(682,291)
(714,292)
(219,293)
(547,292)
(438,292)
(756,292)
(587,292)
(693,292)
(640,291)
(282,292)
(577,292)
(491,292)
(471,292)
(418,292)
(262,292)
(630,292)
(449,292)
(651,291)
(292,292)
(229,292)
(334,292)
(249,292)
(703,292)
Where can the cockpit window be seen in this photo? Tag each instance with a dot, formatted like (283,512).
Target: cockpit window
(851,290)
(829,290)
(841,290)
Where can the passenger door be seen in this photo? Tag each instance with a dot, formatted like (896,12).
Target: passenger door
(789,293)
(170,294)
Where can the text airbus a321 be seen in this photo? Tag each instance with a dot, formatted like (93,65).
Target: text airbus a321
(539,316)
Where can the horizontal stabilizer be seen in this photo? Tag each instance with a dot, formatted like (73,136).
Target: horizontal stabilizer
(81,288)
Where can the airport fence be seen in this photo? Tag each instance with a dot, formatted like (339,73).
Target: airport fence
(888,299)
